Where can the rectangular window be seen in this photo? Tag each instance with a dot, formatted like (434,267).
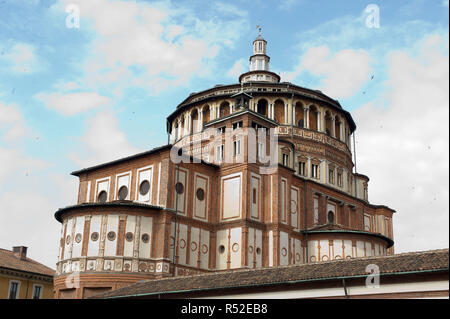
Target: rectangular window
(236,148)
(13,289)
(237,125)
(37,292)
(260,151)
(339,179)
(302,168)
(315,171)
(285,159)
(219,153)
(221,130)
(331,176)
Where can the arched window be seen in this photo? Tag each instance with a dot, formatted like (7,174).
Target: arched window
(262,107)
(278,110)
(328,128)
(330,217)
(299,116)
(337,127)
(194,118)
(224,109)
(313,118)
(206,114)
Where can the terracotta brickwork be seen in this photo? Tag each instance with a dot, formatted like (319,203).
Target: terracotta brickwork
(224,206)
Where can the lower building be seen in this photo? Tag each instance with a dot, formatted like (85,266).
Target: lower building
(408,275)
(22,277)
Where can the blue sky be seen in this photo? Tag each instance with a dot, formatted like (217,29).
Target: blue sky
(75,97)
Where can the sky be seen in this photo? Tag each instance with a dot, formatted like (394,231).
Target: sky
(85,82)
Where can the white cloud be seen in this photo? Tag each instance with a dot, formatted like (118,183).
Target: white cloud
(72,103)
(21,58)
(12,120)
(404,148)
(342,74)
(102,141)
(288,4)
(237,69)
(152,46)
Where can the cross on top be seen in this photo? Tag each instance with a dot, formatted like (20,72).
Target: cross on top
(259,29)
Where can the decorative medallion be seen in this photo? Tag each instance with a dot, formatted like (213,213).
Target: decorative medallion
(297,256)
(182,243)
(204,248)
(94,236)
(283,252)
(193,246)
(221,249)
(68,240)
(144,188)
(293,207)
(337,257)
(166,267)
(142,267)
(312,258)
(250,249)
(145,238)
(129,236)
(235,247)
(152,267)
(78,237)
(127,267)
(324,258)
(258,251)
(111,235)
(200,194)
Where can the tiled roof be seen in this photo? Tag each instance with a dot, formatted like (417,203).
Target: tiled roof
(8,260)
(415,262)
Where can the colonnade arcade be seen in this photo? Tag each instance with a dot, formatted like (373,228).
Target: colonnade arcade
(299,113)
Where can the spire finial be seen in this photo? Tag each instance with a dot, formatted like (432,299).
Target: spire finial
(259,29)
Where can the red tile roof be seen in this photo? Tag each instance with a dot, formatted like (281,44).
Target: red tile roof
(9,260)
(415,262)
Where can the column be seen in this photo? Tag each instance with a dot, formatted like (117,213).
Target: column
(200,120)
(306,116)
(293,116)
(319,117)
(333,127)
(286,114)
(322,120)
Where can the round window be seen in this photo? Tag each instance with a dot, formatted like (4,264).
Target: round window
(200,194)
(144,188)
(78,238)
(221,249)
(102,197)
(68,239)
(111,235)
(179,188)
(145,238)
(94,236)
(123,192)
(129,236)
(258,251)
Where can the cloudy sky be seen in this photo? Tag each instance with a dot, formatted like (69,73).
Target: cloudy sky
(72,97)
